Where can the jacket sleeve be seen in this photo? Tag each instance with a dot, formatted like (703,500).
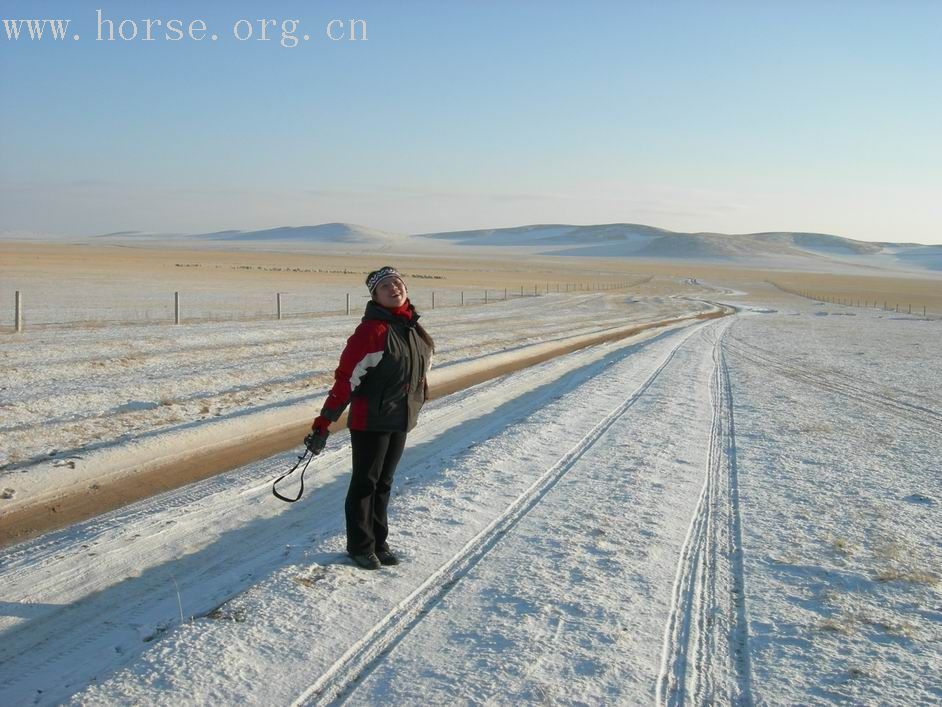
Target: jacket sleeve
(363,351)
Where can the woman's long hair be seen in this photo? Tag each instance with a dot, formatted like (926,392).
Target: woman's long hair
(420,330)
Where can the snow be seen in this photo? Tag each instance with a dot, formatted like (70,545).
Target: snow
(84,398)
(218,545)
(740,510)
(842,579)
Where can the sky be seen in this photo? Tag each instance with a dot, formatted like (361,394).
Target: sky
(719,116)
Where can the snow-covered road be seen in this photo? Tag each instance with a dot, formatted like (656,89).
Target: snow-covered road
(102,591)
(744,510)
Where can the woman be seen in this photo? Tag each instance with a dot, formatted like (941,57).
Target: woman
(382,375)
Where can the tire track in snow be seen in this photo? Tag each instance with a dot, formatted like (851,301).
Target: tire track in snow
(705,657)
(841,376)
(855,392)
(360,659)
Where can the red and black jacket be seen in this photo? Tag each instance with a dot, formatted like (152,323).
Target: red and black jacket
(382,371)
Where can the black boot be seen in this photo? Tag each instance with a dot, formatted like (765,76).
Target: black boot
(369,561)
(386,557)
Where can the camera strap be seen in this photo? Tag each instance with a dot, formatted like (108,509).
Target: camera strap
(274,490)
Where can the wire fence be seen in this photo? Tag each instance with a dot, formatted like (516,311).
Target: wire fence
(885,303)
(101,305)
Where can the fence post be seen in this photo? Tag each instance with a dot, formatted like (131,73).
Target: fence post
(505,294)
(176,307)
(521,290)
(348,303)
(18,312)
(433,299)
(485,295)
(536,290)
(462,298)
(278,304)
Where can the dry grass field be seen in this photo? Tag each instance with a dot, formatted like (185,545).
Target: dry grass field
(68,269)
(269,270)
(891,291)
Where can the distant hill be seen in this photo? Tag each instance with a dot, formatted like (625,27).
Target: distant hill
(767,249)
(344,236)
(323,233)
(639,241)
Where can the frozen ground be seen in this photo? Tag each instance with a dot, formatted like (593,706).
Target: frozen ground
(744,510)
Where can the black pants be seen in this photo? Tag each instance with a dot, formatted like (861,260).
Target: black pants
(375,456)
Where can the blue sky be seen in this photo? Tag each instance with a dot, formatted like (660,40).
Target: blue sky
(714,116)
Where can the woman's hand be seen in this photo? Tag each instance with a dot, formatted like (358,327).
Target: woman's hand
(317,440)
